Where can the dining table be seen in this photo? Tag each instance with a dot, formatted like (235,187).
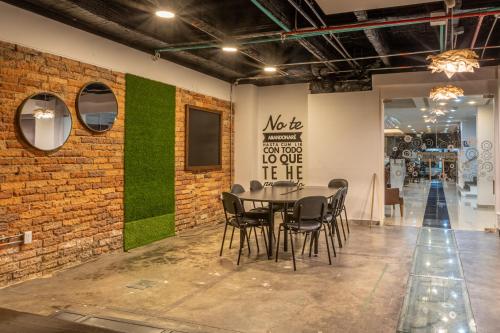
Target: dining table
(284,196)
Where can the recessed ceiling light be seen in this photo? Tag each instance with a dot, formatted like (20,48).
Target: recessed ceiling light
(442,104)
(458,100)
(425,116)
(409,126)
(423,109)
(472,102)
(165,14)
(270,69)
(229,48)
(396,126)
(448,121)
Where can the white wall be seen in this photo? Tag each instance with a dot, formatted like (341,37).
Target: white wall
(245,139)
(486,157)
(28,29)
(467,168)
(346,141)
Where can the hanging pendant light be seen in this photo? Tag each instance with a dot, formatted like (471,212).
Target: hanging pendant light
(454,61)
(44,113)
(446,93)
(41,113)
(438,112)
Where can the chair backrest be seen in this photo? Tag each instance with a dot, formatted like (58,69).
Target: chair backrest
(392,196)
(338,183)
(237,189)
(337,202)
(284,183)
(309,208)
(255,185)
(232,205)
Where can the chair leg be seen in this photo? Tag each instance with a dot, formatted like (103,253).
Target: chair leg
(330,227)
(327,246)
(304,244)
(401,209)
(334,221)
(248,239)
(311,244)
(278,243)
(293,251)
(342,224)
(256,240)
(232,235)
(223,239)
(346,220)
(242,241)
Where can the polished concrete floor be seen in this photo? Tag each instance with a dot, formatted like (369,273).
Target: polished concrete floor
(181,284)
(463,211)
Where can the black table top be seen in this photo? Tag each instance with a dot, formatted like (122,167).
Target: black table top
(287,194)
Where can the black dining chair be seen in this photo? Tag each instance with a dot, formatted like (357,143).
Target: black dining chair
(237,218)
(332,215)
(345,184)
(307,217)
(259,213)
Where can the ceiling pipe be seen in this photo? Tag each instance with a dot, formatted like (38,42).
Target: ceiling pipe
(305,33)
(307,45)
(476,32)
(489,35)
(323,23)
(311,21)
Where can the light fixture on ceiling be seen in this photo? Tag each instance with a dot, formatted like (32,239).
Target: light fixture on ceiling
(442,104)
(409,126)
(425,116)
(43,113)
(229,48)
(423,109)
(454,61)
(432,119)
(438,112)
(270,69)
(471,102)
(165,14)
(446,93)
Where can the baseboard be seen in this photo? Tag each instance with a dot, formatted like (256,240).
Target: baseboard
(486,206)
(364,222)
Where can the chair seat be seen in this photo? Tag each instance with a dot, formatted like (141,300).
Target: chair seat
(247,222)
(260,213)
(305,225)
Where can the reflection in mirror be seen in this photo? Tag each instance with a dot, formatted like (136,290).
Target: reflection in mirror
(97,107)
(44,121)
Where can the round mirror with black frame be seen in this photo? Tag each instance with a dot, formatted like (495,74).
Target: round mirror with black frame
(97,107)
(44,121)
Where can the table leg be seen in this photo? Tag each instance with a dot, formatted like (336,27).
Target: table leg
(271,231)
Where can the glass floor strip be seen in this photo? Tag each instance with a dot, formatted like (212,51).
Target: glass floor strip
(436,299)
(436,305)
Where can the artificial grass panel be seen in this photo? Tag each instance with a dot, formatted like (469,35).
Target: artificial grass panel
(142,232)
(149,149)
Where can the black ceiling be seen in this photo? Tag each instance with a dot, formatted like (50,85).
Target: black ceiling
(202,22)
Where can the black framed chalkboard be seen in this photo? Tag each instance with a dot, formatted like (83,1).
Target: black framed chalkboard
(203,139)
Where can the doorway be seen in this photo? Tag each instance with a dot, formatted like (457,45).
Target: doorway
(441,148)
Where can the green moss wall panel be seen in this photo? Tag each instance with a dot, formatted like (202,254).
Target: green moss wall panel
(149,156)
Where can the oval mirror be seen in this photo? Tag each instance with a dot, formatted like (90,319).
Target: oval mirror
(97,107)
(44,121)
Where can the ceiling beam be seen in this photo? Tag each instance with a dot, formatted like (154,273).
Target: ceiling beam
(375,37)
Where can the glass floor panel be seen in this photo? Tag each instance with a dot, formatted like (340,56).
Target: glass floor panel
(436,305)
(436,237)
(437,262)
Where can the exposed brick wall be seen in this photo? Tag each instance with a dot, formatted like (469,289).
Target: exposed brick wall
(197,193)
(72,199)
